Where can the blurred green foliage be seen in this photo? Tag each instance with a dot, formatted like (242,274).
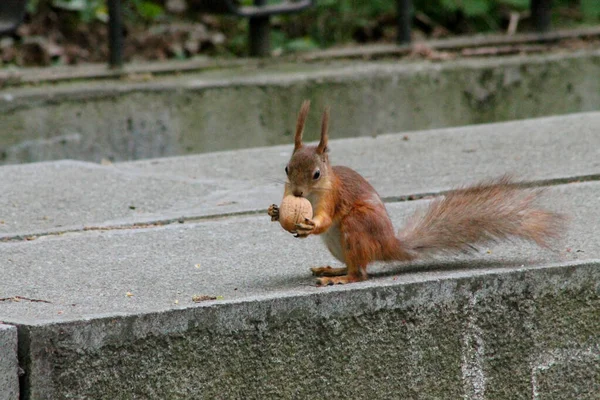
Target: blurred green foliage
(340,11)
(338,20)
(87,11)
(332,22)
(590,9)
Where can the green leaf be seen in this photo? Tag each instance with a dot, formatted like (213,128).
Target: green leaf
(32,6)
(449,5)
(475,8)
(327,3)
(87,10)
(102,14)
(519,4)
(302,44)
(148,10)
(590,8)
(72,5)
(278,39)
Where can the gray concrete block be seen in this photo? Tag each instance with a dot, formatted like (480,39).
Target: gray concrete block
(471,336)
(67,195)
(567,373)
(84,274)
(70,195)
(9,366)
(109,313)
(425,162)
(223,109)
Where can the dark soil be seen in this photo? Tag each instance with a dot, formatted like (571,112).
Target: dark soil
(54,36)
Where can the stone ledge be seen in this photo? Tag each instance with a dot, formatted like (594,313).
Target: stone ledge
(9,367)
(501,333)
(249,107)
(40,75)
(109,313)
(85,274)
(71,195)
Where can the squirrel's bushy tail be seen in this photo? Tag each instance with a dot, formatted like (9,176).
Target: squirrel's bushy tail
(488,212)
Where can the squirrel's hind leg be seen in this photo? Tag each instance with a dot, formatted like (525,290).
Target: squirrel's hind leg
(361,240)
(350,275)
(328,271)
(356,270)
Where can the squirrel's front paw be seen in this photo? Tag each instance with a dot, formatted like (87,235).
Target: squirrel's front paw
(304,229)
(274,212)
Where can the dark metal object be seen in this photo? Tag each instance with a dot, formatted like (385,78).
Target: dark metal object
(259,33)
(11,14)
(259,25)
(541,12)
(257,10)
(115,33)
(404,21)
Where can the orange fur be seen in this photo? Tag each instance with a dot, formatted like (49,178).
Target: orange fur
(484,213)
(301,121)
(356,227)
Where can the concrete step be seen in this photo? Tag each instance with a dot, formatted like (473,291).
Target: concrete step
(72,195)
(143,116)
(9,366)
(109,313)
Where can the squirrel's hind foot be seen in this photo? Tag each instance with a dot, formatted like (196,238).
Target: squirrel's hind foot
(328,271)
(338,280)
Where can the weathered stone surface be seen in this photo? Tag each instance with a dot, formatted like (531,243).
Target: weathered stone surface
(121,301)
(247,107)
(476,336)
(571,372)
(109,313)
(84,274)
(71,195)
(9,367)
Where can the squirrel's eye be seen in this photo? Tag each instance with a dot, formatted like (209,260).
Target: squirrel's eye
(317,175)
(286,171)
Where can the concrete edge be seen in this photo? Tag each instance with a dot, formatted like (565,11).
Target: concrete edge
(39,75)
(171,218)
(359,300)
(450,130)
(9,364)
(44,343)
(19,98)
(109,332)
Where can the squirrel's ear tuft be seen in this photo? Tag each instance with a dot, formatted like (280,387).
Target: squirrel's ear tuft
(300,124)
(322,147)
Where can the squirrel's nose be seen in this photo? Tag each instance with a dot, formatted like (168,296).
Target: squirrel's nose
(297,193)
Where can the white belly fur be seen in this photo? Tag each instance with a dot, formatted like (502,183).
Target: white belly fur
(333,237)
(333,240)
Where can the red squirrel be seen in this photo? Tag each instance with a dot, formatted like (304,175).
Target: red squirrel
(356,228)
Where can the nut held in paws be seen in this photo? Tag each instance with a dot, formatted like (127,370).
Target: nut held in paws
(294,210)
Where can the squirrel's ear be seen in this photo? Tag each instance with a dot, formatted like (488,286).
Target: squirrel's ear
(300,124)
(322,147)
